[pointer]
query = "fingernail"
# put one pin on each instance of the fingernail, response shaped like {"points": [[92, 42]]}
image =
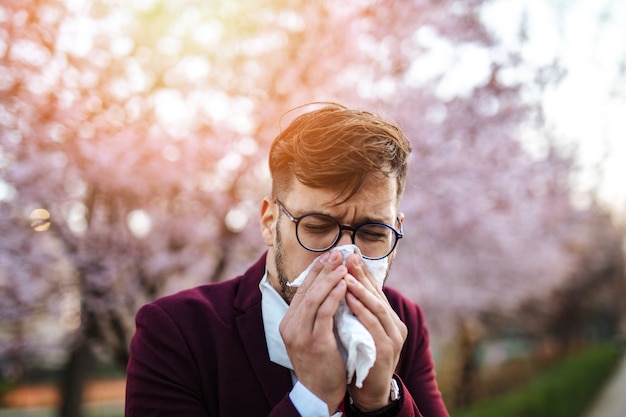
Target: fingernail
{"points": [[324, 257]]}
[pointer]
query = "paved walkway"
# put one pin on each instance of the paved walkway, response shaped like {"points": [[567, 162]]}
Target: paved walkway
{"points": [[612, 399]]}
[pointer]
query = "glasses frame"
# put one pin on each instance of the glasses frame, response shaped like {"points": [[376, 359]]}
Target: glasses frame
{"points": [[399, 234]]}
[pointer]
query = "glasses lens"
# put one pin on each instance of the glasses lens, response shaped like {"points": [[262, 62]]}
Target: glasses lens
{"points": [[375, 240], [317, 232]]}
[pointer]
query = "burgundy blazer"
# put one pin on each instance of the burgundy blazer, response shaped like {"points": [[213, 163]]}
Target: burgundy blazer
{"points": [[202, 352]]}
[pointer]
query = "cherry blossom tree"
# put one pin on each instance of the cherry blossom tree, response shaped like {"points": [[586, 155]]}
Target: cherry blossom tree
{"points": [[133, 147]]}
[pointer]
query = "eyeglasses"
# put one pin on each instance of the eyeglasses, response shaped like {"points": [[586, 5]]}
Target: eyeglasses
{"points": [[318, 233]]}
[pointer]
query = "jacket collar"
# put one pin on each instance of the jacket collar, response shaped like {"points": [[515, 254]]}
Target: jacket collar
{"points": [[274, 379]]}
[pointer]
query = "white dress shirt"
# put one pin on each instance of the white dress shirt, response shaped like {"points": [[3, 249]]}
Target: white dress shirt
{"points": [[274, 309]]}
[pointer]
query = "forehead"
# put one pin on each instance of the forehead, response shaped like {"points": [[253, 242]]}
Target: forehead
{"points": [[376, 201]]}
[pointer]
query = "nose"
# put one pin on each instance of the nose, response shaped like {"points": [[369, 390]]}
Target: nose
{"points": [[345, 237]]}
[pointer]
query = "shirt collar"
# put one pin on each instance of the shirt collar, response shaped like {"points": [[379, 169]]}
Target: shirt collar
{"points": [[273, 309]]}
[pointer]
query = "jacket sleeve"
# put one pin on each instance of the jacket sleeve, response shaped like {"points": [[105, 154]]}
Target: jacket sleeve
{"points": [[416, 371], [161, 378], [284, 408]]}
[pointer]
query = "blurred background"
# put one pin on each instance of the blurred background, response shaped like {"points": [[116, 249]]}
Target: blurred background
{"points": [[133, 143]]}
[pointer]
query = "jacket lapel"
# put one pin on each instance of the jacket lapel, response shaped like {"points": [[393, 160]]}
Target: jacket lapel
{"points": [[274, 379]]}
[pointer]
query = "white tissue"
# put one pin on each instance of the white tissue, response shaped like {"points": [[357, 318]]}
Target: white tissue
{"points": [[355, 341]]}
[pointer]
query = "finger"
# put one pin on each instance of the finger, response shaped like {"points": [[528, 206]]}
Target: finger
{"points": [[325, 263], [318, 264], [375, 313], [325, 314], [358, 269], [308, 299], [388, 333]]}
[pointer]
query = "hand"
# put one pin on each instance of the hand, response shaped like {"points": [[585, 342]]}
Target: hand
{"points": [[307, 330], [372, 308]]}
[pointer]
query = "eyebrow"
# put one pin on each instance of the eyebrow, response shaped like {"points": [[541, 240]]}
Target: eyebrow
{"points": [[364, 220]]}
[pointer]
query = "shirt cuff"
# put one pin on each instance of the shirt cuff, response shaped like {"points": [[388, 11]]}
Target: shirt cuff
{"points": [[308, 404]]}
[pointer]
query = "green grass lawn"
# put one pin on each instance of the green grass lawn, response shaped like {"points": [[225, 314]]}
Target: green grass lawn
{"points": [[564, 389]]}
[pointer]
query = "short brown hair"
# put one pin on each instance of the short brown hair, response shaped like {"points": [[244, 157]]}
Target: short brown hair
{"points": [[336, 147]]}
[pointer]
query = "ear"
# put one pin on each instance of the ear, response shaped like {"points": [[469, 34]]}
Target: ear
{"points": [[268, 221], [393, 254]]}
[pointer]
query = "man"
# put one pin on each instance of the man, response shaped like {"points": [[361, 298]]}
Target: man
{"points": [[258, 346]]}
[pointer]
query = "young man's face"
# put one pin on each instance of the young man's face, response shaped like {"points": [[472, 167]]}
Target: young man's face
{"points": [[375, 202]]}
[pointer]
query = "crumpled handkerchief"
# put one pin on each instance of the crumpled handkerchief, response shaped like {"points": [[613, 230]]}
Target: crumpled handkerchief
{"points": [[355, 341]]}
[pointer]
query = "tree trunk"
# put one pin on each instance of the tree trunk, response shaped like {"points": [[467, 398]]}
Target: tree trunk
{"points": [[464, 392], [75, 376]]}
